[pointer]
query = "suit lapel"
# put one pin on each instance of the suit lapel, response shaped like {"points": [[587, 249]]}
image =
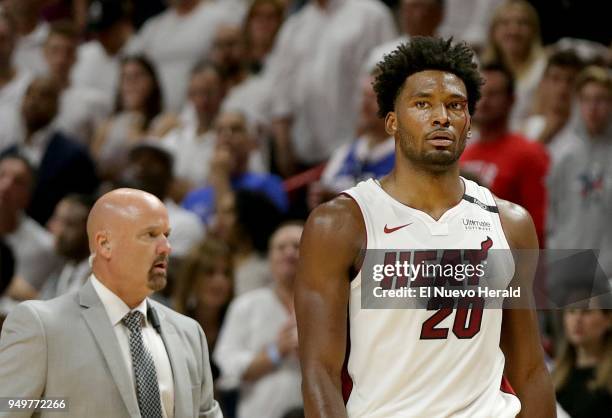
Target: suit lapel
{"points": [[180, 374], [97, 319]]}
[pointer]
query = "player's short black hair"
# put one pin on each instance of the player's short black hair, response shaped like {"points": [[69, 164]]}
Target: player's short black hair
{"points": [[421, 54]]}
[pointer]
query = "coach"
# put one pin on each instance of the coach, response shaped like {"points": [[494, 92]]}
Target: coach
{"points": [[108, 349]]}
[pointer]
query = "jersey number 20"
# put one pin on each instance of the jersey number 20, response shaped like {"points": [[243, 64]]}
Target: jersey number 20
{"points": [[468, 318]]}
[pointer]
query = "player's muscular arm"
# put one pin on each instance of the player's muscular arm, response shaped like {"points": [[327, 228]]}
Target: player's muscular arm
{"points": [[330, 247], [520, 339]]}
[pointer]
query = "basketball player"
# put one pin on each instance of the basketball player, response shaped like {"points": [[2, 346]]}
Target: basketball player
{"points": [[387, 363]]}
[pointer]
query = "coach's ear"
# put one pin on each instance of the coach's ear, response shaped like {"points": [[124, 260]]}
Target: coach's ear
{"points": [[390, 123]]}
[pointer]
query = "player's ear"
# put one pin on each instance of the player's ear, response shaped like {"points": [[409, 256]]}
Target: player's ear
{"points": [[391, 123]]}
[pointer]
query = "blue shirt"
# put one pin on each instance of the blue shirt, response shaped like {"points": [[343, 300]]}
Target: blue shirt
{"points": [[202, 201]]}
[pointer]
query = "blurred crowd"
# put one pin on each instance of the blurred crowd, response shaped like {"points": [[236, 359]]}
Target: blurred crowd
{"points": [[243, 115]]}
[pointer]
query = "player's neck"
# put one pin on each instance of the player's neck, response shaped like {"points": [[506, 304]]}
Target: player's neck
{"points": [[432, 193]]}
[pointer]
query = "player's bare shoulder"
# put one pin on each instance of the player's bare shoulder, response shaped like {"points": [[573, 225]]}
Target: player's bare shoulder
{"points": [[517, 224], [336, 225]]}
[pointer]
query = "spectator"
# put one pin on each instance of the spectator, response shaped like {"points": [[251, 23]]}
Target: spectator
{"points": [[7, 267], [150, 168], [137, 115], [13, 82], [193, 143], [468, 20], [511, 166], [63, 166], [263, 20], [178, 38], [69, 228], [229, 169], [514, 40], [372, 154], [239, 223], [228, 54], [257, 348], [551, 119], [81, 108], [417, 18], [99, 60], [32, 245], [204, 289], [7, 270], [579, 184], [583, 365], [313, 75], [262, 24], [33, 32]]}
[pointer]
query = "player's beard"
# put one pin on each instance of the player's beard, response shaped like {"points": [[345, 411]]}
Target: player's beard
{"points": [[430, 159]]}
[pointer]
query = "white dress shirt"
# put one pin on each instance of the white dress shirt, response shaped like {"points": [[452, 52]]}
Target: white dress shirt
{"points": [[81, 110], [314, 71], [175, 43], [28, 54], [116, 310], [97, 70]]}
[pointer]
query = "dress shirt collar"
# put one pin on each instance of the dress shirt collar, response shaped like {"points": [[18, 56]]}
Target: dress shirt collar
{"points": [[116, 308]]}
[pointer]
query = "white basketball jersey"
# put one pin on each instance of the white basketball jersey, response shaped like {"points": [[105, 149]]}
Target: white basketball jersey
{"points": [[418, 362]]}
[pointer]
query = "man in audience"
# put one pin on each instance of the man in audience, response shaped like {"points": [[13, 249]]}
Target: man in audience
{"points": [[81, 108], [150, 168], [13, 83], [98, 61], [229, 169], [258, 345], [555, 101], [314, 73], [511, 166], [62, 165], [32, 245], [372, 154], [32, 32], [69, 228], [192, 144], [228, 54], [417, 18], [580, 183], [178, 38]]}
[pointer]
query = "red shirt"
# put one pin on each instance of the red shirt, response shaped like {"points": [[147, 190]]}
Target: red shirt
{"points": [[514, 169]]}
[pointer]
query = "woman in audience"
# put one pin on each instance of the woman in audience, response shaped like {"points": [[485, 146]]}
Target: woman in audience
{"points": [[514, 40], [204, 287], [245, 220], [136, 116], [583, 365], [263, 20]]}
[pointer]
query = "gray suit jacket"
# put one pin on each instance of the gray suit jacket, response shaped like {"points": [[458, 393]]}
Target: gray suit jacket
{"points": [[66, 348]]}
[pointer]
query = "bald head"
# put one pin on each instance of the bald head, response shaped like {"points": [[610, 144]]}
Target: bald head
{"points": [[128, 233], [116, 208]]}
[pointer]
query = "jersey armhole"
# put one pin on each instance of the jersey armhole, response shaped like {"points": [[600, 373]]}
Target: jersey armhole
{"points": [[356, 268]]}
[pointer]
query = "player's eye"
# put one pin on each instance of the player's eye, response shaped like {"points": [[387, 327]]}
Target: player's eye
{"points": [[457, 105], [420, 104], [152, 234]]}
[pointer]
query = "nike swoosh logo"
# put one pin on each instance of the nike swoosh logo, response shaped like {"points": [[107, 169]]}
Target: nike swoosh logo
{"points": [[389, 230]]}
